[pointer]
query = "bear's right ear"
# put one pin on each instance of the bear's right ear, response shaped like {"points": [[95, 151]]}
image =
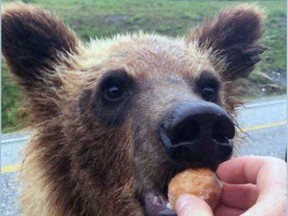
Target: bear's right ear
{"points": [[33, 41]]}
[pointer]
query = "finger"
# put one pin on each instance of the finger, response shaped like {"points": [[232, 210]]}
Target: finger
{"points": [[268, 207], [223, 210], [189, 205], [269, 174], [239, 196], [247, 169], [240, 170]]}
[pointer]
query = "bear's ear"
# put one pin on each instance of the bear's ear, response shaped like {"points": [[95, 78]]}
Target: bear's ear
{"points": [[33, 41], [233, 37]]}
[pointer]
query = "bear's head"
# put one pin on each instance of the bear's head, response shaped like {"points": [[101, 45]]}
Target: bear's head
{"points": [[117, 118]]}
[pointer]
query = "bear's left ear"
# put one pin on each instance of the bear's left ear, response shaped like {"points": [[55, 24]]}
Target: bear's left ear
{"points": [[233, 37]]}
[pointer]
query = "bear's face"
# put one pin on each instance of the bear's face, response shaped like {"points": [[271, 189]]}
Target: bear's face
{"points": [[127, 97], [134, 110]]}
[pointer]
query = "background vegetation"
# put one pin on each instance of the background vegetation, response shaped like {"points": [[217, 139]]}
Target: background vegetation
{"points": [[171, 17]]}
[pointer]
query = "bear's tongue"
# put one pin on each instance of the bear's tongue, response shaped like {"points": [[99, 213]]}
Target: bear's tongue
{"points": [[156, 205]]}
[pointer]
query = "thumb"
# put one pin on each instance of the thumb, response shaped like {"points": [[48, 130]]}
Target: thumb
{"points": [[189, 205]]}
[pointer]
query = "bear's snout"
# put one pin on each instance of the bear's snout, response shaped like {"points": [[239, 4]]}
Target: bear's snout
{"points": [[198, 133]]}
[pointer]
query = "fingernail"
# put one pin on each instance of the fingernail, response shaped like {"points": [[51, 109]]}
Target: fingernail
{"points": [[183, 201]]}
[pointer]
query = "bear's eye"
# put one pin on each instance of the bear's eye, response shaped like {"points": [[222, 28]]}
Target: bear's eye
{"points": [[207, 86], [208, 93], [115, 85], [114, 90]]}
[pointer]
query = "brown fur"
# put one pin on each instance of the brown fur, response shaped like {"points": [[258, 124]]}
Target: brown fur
{"points": [[87, 158]]}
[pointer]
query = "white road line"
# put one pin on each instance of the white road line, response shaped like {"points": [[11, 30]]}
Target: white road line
{"points": [[15, 140], [252, 105]]}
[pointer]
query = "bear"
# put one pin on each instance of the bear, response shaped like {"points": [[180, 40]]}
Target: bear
{"points": [[114, 119]]}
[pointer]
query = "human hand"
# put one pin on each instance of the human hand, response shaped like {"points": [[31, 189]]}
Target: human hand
{"points": [[252, 186]]}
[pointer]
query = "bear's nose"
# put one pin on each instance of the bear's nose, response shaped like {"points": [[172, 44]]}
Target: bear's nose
{"points": [[198, 132]]}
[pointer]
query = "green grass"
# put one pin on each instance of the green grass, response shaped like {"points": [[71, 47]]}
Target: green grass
{"points": [[11, 100], [100, 18]]}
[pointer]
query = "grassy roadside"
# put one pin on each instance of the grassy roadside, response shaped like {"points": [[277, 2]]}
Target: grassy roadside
{"points": [[106, 17]]}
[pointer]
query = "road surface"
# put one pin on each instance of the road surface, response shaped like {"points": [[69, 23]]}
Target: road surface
{"points": [[263, 123]]}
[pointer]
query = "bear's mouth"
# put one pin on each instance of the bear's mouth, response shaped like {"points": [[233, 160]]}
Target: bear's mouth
{"points": [[156, 204], [155, 201]]}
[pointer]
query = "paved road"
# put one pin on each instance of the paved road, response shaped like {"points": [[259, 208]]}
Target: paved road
{"points": [[265, 124], [263, 121]]}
